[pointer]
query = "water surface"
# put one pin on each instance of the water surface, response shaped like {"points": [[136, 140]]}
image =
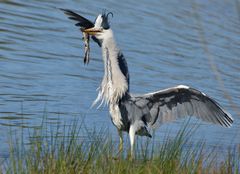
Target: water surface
{"points": [[166, 43]]}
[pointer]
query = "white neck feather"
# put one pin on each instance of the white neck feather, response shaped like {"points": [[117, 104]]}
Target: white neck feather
{"points": [[114, 84]]}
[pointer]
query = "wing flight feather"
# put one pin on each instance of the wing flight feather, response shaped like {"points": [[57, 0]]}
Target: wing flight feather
{"points": [[180, 101]]}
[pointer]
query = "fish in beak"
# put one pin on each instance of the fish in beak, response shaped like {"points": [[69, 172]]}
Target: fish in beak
{"points": [[86, 32], [84, 24], [86, 48]]}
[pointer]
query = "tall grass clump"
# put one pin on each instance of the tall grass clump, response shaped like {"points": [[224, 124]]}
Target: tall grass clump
{"points": [[76, 149]]}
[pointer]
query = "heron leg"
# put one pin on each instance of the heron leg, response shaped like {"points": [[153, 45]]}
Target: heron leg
{"points": [[120, 146], [132, 133]]}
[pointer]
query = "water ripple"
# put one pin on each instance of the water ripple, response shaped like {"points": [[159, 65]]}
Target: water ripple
{"points": [[41, 52]]}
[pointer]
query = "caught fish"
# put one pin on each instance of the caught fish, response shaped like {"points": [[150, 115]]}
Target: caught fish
{"points": [[86, 48], [83, 23]]}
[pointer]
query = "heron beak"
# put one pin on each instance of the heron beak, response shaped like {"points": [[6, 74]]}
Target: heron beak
{"points": [[92, 31]]}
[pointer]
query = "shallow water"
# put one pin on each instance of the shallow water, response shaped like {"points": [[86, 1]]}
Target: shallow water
{"points": [[166, 43]]}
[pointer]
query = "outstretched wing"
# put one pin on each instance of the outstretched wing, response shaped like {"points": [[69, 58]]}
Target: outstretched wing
{"points": [[180, 101], [82, 22]]}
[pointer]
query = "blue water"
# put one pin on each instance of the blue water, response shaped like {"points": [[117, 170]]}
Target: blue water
{"points": [[166, 43]]}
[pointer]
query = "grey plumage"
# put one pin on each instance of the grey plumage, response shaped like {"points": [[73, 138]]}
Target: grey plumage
{"points": [[167, 105], [137, 114]]}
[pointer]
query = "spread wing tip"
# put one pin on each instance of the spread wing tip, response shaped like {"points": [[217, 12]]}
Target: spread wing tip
{"points": [[66, 11], [229, 119]]}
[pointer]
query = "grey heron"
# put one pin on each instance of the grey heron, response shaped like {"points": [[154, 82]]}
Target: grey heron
{"points": [[136, 114]]}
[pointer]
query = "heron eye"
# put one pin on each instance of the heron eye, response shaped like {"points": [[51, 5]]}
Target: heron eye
{"points": [[105, 25]]}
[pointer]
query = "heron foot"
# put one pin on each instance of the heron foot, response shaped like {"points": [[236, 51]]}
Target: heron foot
{"points": [[120, 149], [130, 156]]}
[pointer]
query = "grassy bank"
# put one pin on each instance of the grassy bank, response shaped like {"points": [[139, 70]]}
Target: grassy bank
{"points": [[52, 152]]}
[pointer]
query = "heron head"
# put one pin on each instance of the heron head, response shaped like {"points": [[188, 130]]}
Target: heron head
{"points": [[100, 26]]}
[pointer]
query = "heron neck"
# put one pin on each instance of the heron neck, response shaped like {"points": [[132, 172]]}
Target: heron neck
{"points": [[115, 82]]}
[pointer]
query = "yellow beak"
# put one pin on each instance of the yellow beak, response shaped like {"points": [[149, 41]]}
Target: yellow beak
{"points": [[92, 31]]}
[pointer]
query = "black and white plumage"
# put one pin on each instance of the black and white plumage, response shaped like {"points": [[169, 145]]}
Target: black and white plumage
{"points": [[136, 114]]}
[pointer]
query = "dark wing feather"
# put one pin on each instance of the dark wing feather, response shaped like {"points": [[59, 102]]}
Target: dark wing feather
{"points": [[177, 102], [81, 21]]}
